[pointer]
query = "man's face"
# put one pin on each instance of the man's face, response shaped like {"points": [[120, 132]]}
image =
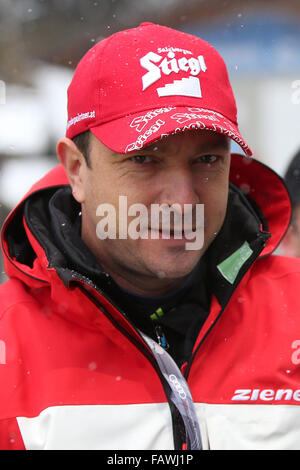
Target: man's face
{"points": [[186, 169]]}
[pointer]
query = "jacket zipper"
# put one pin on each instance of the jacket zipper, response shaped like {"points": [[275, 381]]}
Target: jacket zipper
{"points": [[178, 437]]}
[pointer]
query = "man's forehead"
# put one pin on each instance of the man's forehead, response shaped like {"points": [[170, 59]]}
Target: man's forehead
{"points": [[203, 140]]}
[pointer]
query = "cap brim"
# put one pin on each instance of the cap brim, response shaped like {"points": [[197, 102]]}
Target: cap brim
{"points": [[131, 133]]}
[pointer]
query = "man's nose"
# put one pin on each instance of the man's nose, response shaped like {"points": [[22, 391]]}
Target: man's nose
{"points": [[179, 188]]}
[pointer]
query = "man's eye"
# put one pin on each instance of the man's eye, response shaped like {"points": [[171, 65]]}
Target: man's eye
{"points": [[141, 159], [208, 158]]}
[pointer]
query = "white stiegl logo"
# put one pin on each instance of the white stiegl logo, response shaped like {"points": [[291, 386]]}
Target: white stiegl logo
{"points": [[156, 65]]}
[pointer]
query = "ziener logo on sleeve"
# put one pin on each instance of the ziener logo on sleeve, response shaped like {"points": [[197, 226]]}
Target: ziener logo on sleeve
{"points": [[266, 394]]}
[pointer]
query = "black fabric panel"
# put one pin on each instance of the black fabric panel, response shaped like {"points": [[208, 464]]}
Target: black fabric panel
{"points": [[18, 244]]}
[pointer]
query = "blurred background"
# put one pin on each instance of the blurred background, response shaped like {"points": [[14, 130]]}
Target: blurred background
{"points": [[41, 42]]}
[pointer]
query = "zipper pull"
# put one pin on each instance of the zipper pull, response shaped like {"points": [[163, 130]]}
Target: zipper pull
{"points": [[161, 337]]}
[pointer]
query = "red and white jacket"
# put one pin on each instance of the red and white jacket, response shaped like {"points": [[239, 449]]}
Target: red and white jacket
{"points": [[75, 374]]}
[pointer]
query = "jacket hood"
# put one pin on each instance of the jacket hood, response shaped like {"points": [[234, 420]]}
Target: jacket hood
{"points": [[263, 191]]}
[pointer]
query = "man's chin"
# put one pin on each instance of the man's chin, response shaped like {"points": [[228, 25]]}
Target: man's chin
{"points": [[172, 264]]}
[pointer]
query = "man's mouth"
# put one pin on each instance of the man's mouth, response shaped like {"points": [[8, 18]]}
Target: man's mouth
{"points": [[173, 233]]}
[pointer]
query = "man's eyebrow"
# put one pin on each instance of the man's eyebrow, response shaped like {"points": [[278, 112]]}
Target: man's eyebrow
{"points": [[222, 143]]}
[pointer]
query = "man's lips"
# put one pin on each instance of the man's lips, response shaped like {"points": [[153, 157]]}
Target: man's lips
{"points": [[182, 233], [174, 230]]}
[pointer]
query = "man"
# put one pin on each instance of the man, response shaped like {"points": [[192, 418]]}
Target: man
{"points": [[120, 331], [291, 242]]}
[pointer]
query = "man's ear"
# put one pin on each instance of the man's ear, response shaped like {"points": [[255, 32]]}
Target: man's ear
{"points": [[75, 166]]}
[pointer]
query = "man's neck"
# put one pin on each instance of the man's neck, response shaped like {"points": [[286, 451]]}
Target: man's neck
{"points": [[141, 284]]}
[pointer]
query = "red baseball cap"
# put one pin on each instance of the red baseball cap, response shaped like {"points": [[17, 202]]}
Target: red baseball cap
{"points": [[145, 83]]}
